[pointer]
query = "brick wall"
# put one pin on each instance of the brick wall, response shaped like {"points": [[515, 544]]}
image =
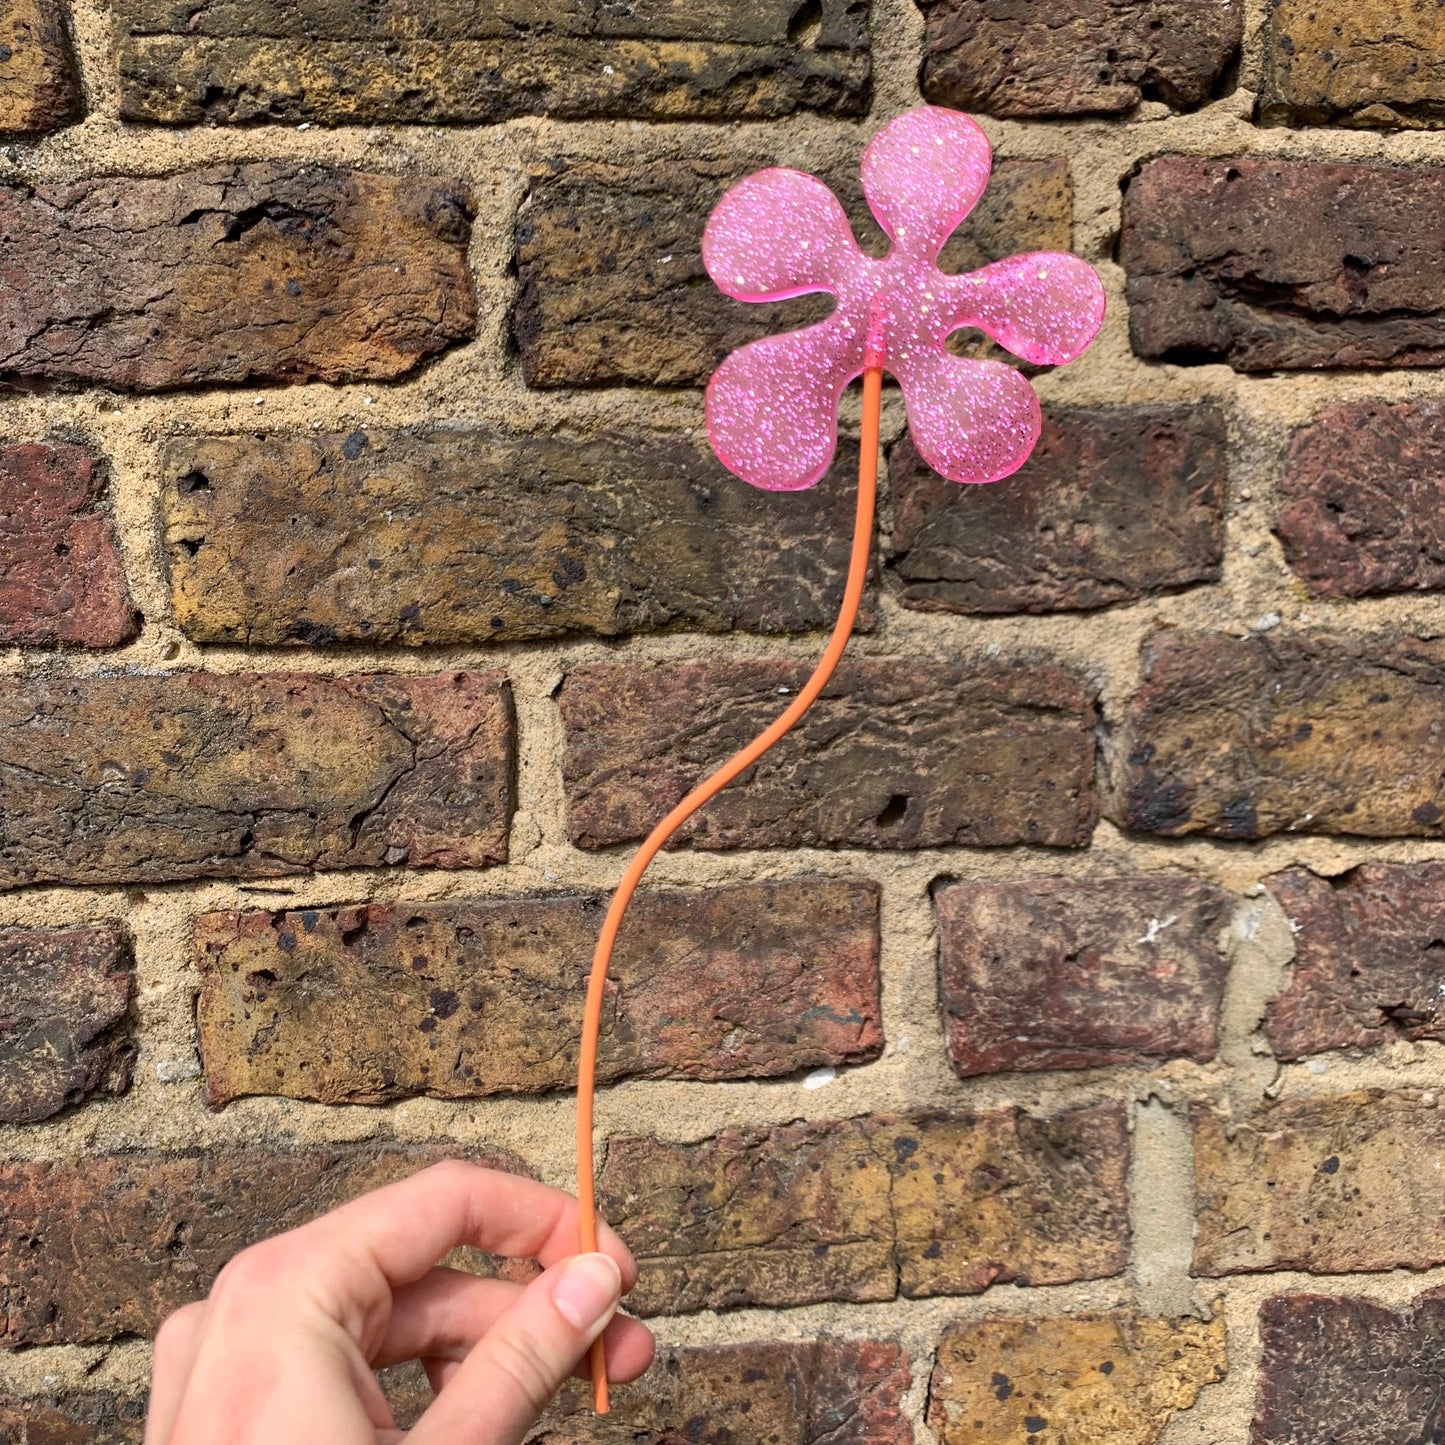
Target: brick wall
{"points": [[1046, 1043]]}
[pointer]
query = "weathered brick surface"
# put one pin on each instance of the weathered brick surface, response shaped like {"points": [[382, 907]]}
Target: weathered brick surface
{"points": [[266, 272], [1276, 264], [863, 1209], [822, 1392], [467, 535], [612, 282], [1362, 500], [1076, 57], [64, 1036], [1114, 1379], [152, 1230], [1372, 1373], [61, 576], [1354, 62], [1115, 503], [77, 1417], [237, 61], [1332, 1186], [1052, 974], [1244, 737], [192, 775], [893, 755], [456, 1000], [1368, 958], [38, 86]]}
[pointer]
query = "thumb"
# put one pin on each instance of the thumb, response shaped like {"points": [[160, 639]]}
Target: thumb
{"points": [[509, 1378]]}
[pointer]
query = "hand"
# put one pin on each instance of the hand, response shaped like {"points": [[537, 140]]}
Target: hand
{"points": [[283, 1349]]}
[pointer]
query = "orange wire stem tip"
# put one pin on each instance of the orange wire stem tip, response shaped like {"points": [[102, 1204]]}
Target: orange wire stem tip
{"points": [[708, 788]]}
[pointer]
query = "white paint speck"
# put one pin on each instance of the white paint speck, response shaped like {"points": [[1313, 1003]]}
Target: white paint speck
{"points": [[1156, 927], [820, 1078], [170, 1071], [1318, 1066], [1266, 622]]}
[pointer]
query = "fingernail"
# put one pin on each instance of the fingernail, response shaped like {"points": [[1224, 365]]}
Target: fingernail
{"points": [[588, 1290]]}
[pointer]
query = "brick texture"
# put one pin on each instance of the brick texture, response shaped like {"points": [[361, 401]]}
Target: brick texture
{"points": [[1362, 500], [38, 86], [1332, 1186], [1371, 1371], [61, 576], [1076, 57], [918, 755], [238, 61], [1058, 975], [1116, 503], [1091, 1379], [77, 1417], [1245, 737], [265, 272], [154, 1229], [1274, 264], [1368, 958], [146, 778], [466, 535], [864, 1209], [1370, 63], [612, 282], [457, 1000], [64, 1034]]}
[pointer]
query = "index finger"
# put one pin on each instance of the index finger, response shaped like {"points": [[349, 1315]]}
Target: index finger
{"points": [[403, 1229]]}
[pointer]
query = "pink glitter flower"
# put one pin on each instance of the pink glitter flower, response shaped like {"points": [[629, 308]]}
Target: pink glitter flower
{"points": [[772, 406]]}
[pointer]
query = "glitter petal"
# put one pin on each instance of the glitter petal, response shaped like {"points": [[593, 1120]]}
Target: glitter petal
{"points": [[1045, 306]]}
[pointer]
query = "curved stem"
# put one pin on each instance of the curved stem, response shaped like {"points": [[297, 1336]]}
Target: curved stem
{"points": [[708, 788]]}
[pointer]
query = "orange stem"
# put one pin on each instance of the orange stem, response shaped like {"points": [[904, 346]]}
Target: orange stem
{"points": [[708, 788]]}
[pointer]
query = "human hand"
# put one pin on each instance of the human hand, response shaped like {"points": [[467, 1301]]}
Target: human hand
{"points": [[282, 1350]]}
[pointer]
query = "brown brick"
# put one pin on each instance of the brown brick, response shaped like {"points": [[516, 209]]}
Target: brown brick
{"points": [[264, 272], [38, 86], [466, 535], [612, 282], [61, 578], [1372, 1373], [153, 1229], [1076, 57], [917, 754], [821, 1392], [1332, 1186], [863, 1209], [1363, 500], [1367, 964], [1245, 737], [1276, 264], [1114, 1379], [64, 1036], [463, 999], [1366, 63], [77, 1417], [1052, 974], [238, 61], [1116, 502], [145, 778]]}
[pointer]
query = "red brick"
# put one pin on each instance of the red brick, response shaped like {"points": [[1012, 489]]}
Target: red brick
{"points": [[1338, 1185], [1372, 1372], [1116, 503], [61, 577], [1246, 737], [918, 755], [153, 1230], [1076, 57], [77, 1417], [64, 1031], [1367, 964], [462, 999], [1363, 500], [1274, 264], [1059, 975], [39, 89], [865, 1209], [195, 775], [266, 272]]}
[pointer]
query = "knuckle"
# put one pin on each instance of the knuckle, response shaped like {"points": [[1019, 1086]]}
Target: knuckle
{"points": [[516, 1358], [175, 1331], [252, 1272]]}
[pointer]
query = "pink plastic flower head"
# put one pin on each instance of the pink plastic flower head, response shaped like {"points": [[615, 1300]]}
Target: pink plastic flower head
{"points": [[772, 406]]}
